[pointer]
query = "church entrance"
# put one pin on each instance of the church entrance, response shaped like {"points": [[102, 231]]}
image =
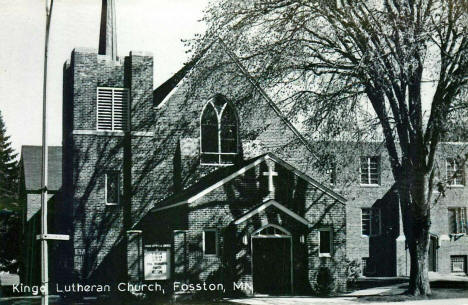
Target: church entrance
{"points": [[272, 260]]}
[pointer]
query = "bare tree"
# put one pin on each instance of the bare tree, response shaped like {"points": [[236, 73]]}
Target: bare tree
{"points": [[320, 57]]}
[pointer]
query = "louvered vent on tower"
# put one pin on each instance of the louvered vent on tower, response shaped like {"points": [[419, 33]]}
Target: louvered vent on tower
{"points": [[112, 109]]}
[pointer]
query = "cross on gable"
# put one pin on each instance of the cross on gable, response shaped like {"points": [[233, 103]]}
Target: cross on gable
{"points": [[270, 173]]}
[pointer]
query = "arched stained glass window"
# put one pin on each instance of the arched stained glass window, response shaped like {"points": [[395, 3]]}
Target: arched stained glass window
{"points": [[209, 129], [219, 132], [228, 130]]}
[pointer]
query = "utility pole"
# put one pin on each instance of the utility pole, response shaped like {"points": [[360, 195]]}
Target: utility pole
{"points": [[44, 195], [44, 235]]}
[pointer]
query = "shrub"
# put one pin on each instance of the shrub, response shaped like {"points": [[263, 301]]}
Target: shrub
{"points": [[325, 282], [353, 272]]}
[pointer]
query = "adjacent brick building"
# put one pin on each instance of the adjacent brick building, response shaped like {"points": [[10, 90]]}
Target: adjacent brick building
{"points": [[374, 228]]}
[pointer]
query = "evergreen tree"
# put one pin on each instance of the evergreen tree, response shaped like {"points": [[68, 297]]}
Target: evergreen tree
{"points": [[8, 165], [10, 221]]}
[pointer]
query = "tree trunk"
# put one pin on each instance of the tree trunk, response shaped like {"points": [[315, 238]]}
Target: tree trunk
{"points": [[419, 279], [414, 201]]}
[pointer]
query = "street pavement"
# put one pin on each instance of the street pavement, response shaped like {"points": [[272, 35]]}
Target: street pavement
{"points": [[341, 301], [272, 301]]}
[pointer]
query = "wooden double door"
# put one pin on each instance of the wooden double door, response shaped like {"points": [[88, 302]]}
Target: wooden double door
{"points": [[272, 265]]}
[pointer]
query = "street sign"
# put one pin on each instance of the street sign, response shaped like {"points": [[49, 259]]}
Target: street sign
{"points": [[52, 237]]}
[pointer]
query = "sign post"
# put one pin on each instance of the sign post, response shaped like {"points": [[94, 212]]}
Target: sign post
{"points": [[43, 237]]}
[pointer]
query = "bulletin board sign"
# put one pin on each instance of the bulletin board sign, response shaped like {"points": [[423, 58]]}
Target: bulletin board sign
{"points": [[157, 262]]}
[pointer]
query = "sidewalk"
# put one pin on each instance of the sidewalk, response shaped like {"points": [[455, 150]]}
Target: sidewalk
{"points": [[435, 276], [354, 297], [344, 301]]}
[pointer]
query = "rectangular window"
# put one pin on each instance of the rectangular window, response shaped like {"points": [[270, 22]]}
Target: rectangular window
{"points": [[457, 220], [325, 242], [455, 172], [79, 258], [112, 187], [365, 221], [371, 221], [331, 172], [370, 170], [458, 263], [210, 242], [112, 109], [364, 265]]}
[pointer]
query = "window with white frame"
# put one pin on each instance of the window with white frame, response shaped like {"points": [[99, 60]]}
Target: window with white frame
{"points": [[325, 242], [112, 109], [78, 259], [210, 242], [219, 132], [370, 170], [458, 263], [112, 188], [455, 173], [457, 220], [331, 172], [371, 221], [364, 265]]}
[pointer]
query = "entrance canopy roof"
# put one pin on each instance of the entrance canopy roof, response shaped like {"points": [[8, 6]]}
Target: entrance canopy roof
{"points": [[268, 205]]}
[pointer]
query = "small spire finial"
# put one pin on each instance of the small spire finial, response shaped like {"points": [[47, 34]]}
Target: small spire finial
{"points": [[108, 33]]}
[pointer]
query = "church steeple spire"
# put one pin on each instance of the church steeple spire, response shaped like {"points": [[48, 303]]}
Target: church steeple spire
{"points": [[108, 33]]}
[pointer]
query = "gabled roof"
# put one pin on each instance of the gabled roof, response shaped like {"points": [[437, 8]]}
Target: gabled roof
{"points": [[161, 93], [271, 203], [31, 157], [164, 91], [227, 174], [211, 179]]}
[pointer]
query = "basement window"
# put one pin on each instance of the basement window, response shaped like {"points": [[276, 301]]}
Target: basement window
{"points": [[458, 263]]}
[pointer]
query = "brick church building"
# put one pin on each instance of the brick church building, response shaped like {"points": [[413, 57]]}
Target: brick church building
{"points": [[203, 179]]}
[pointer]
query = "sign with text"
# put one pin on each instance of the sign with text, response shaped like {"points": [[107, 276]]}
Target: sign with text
{"points": [[157, 262]]}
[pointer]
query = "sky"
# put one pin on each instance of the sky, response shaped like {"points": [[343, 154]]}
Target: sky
{"points": [[156, 26]]}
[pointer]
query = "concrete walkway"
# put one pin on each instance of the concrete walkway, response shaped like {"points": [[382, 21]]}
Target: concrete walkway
{"points": [[295, 301], [385, 290], [344, 301], [435, 276], [401, 287], [352, 298]]}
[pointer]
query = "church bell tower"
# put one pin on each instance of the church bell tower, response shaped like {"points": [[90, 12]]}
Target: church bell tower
{"points": [[107, 136]]}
